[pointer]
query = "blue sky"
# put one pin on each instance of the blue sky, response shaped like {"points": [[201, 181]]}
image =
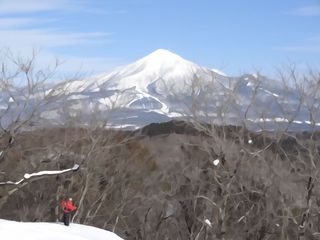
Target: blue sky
{"points": [[234, 36]]}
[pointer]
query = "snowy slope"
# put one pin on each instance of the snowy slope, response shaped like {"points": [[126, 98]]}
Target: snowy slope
{"points": [[163, 85], [162, 67], [145, 84], [159, 66], [11, 230], [145, 91]]}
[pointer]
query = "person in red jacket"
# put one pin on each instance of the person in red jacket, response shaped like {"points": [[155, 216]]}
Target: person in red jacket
{"points": [[68, 207]]}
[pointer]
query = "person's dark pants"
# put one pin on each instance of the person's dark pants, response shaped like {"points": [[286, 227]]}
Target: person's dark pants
{"points": [[66, 218]]}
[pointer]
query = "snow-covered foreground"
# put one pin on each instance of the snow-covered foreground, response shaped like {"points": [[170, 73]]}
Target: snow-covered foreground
{"points": [[11, 230]]}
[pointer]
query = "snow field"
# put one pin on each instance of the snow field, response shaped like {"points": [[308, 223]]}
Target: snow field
{"points": [[11, 230]]}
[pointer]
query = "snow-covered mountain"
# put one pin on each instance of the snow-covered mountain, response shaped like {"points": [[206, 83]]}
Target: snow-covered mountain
{"points": [[145, 84], [161, 68], [163, 85], [155, 88], [11, 230]]}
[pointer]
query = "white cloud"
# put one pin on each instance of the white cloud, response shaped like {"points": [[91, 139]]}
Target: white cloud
{"points": [[306, 11], [33, 6], [47, 38], [22, 30], [9, 23], [38, 31], [24, 22], [25, 6]]}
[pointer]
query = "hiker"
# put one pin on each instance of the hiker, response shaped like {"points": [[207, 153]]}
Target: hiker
{"points": [[68, 208]]}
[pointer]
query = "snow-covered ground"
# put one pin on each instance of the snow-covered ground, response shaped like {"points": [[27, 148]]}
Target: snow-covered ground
{"points": [[11, 230]]}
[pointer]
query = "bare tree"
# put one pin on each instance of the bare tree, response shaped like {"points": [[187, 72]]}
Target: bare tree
{"points": [[223, 174], [258, 176], [23, 95]]}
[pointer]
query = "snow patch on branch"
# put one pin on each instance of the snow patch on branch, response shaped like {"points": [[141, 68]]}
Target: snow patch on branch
{"points": [[27, 176], [207, 221], [216, 162]]}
